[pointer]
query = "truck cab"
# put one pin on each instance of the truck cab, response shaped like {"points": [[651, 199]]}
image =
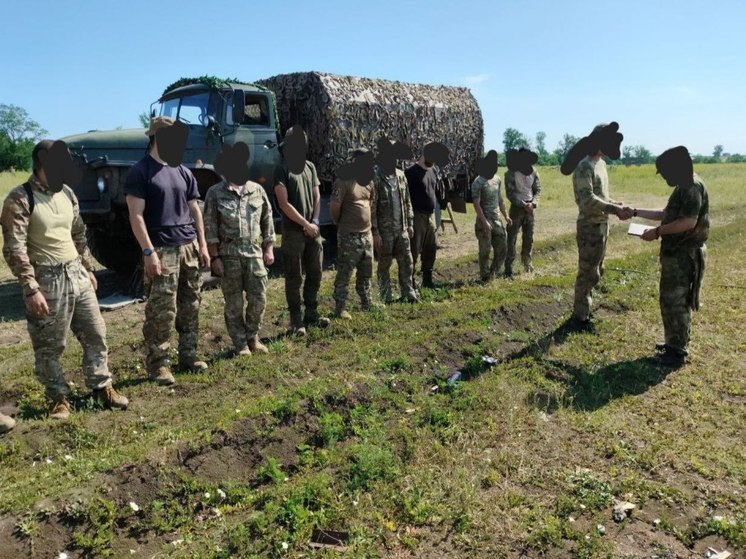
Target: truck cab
{"points": [[215, 113]]}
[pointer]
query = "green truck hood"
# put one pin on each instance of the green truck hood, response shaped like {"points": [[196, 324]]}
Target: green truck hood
{"points": [[120, 146]]}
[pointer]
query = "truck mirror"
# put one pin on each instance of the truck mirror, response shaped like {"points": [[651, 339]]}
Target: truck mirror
{"points": [[239, 102]]}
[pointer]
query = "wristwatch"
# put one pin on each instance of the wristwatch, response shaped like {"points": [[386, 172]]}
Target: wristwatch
{"points": [[148, 251]]}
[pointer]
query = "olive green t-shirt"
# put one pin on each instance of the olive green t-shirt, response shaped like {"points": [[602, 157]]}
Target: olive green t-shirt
{"points": [[355, 201], [300, 192]]}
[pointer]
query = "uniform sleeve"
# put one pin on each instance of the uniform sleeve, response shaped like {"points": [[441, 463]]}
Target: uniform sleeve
{"points": [[476, 189], [511, 190], [192, 188], [78, 232], [339, 189], [691, 203], [407, 202], [15, 219], [536, 189], [374, 197], [499, 193], [314, 176], [211, 217], [582, 181], [134, 184], [268, 225]]}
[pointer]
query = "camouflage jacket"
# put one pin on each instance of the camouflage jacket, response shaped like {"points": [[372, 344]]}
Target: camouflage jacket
{"points": [[240, 224], [490, 198], [382, 209], [15, 223], [514, 194], [692, 201], [591, 187]]}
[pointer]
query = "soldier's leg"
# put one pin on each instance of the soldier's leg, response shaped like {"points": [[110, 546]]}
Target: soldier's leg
{"points": [[293, 247], [527, 242], [499, 248], [404, 262], [516, 216], [49, 333], [187, 303], [385, 257], [347, 258], [255, 278], [232, 285], [420, 226], [677, 273], [364, 273], [160, 309], [90, 329], [313, 262], [591, 243], [428, 251], [485, 246]]}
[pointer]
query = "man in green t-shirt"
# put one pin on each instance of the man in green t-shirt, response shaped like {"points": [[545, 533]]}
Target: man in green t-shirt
{"points": [[684, 228], [298, 195]]}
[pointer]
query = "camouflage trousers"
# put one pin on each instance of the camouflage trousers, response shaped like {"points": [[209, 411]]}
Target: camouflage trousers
{"points": [[521, 221], [354, 252], [72, 306], [591, 239], [173, 297], [302, 254], [423, 242], [681, 276], [243, 275], [490, 242], [395, 246]]}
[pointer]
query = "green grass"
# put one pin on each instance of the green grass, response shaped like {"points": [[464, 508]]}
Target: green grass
{"points": [[344, 432]]}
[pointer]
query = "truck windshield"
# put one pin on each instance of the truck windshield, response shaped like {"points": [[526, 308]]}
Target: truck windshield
{"points": [[190, 109]]}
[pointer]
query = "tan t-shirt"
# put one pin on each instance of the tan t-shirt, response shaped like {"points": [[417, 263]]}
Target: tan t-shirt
{"points": [[355, 201], [49, 231]]}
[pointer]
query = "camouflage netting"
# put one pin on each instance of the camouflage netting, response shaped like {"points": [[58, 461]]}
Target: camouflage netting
{"points": [[340, 113]]}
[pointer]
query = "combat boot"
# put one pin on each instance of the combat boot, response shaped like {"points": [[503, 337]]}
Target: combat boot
{"points": [[191, 364], [162, 376], [297, 328], [312, 318], [6, 423], [527, 267], [60, 409], [244, 351], [340, 312], [110, 398], [671, 359], [427, 279], [255, 346], [368, 305], [509, 271]]}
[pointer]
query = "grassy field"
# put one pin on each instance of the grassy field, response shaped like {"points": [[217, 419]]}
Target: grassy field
{"points": [[355, 429]]}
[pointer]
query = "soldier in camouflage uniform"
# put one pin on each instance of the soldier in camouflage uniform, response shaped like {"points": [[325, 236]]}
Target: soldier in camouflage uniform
{"points": [[591, 188], [487, 200], [240, 235], [163, 202], [685, 226], [45, 248], [392, 222], [350, 207], [523, 189]]}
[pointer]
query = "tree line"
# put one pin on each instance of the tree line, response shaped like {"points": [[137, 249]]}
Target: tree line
{"points": [[19, 133], [631, 154]]}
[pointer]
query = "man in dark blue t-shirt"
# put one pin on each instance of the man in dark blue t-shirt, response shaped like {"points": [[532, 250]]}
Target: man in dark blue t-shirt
{"points": [[163, 203]]}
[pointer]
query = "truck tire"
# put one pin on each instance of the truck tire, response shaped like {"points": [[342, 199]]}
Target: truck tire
{"points": [[116, 253]]}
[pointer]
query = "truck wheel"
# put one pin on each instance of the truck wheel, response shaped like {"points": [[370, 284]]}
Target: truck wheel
{"points": [[116, 253]]}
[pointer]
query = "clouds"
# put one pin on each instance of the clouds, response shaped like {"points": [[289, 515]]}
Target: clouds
{"points": [[475, 79]]}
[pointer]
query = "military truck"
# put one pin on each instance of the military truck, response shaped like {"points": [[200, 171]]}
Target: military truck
{"points": [[339, 113]]}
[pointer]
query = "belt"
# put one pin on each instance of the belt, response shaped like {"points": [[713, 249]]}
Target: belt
{"points": [[57, 267]]}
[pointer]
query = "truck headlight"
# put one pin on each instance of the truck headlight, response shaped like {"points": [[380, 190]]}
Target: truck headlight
{"points": [[101, 184]]}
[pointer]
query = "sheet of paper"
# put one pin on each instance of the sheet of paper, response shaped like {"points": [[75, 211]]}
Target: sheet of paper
{"points": [[638, 229]]}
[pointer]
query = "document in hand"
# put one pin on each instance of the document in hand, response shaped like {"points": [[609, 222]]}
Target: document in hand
{"points": [[638, 229]]}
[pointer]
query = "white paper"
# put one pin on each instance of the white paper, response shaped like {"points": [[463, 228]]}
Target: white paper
{"points": [[638, 229]]}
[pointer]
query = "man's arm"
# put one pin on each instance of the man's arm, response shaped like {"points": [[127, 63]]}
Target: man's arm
{"points": [[536, 189], [586, 198], [268, 231], [291, 213], [511, 190], [196, 213], [335, 204], [77, 232], [374, 208], [136, 208], [15, 219], [501, 205]]}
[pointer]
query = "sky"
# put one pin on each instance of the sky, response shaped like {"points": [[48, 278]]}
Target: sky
{"points": [[670, 72]]}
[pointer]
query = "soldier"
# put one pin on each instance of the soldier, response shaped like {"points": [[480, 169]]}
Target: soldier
{"points": [[45, 248], [486, 197], [350, 206], [591, 188], [240, 235], [163, 203], [423, 191], [298, 195], [684, 228], [392, 220], [522, 188]]}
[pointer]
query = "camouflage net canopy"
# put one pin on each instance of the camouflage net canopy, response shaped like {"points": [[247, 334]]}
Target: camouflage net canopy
{"points": [[340, 113]]}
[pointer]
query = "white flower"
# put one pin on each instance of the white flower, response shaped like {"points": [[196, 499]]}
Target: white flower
{"points": [[68, 457], [134, 506], [49, 461], [62, 555], [207, 495], [285, 546], [221, 493]]}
